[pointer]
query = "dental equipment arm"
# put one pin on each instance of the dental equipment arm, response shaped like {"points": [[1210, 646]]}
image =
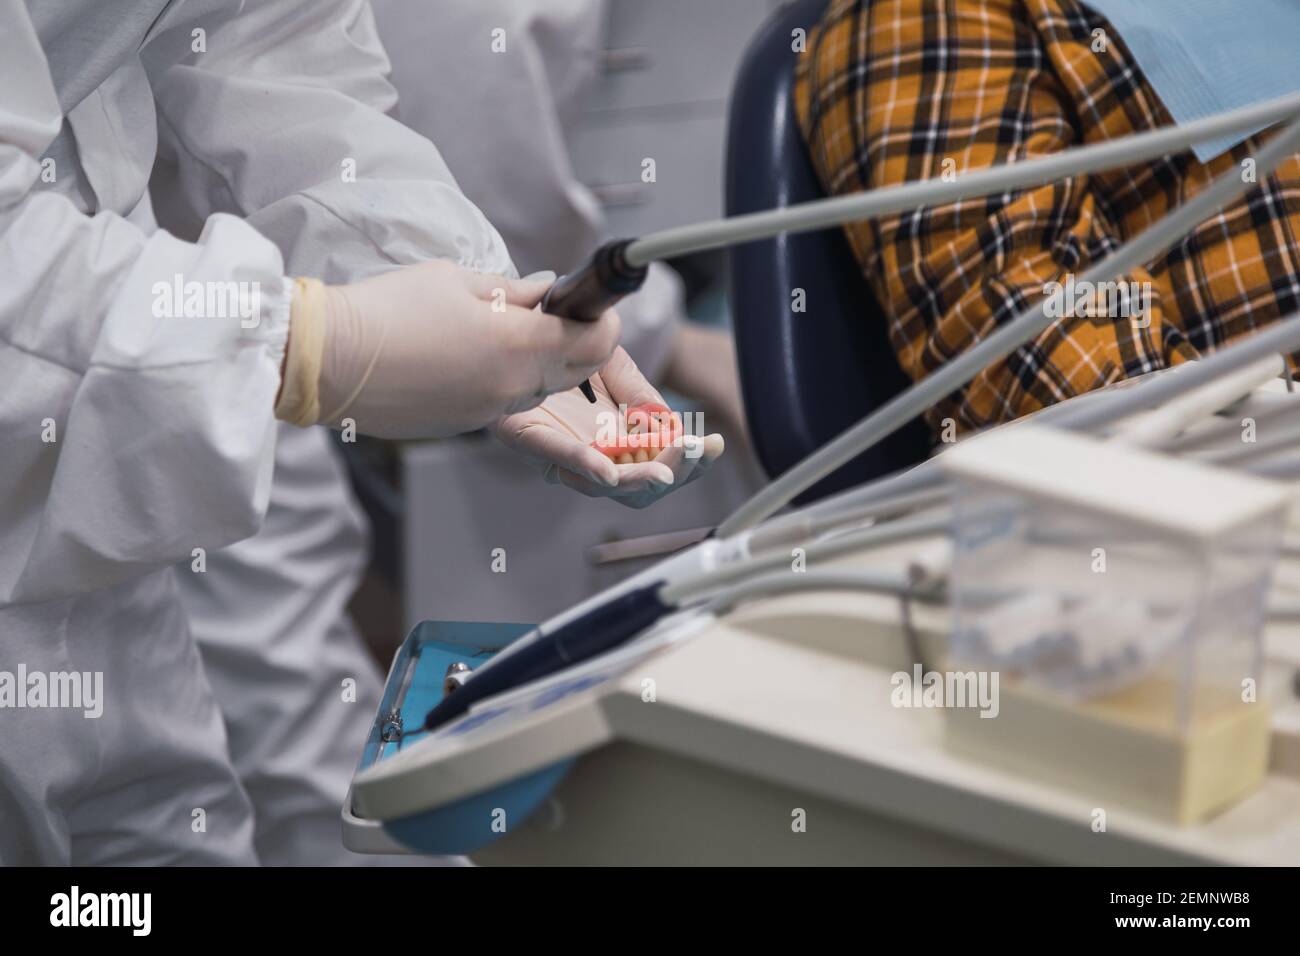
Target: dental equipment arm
{"points": [[594, 627], [618, 268], [772, 585], [619, 620], [824, 213]]}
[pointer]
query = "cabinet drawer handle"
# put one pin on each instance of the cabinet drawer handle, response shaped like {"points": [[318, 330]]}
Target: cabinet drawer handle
{"points": [[625, 59], [621, 194]]}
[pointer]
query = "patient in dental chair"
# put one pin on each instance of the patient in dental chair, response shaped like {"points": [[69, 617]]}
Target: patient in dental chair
{"points": [[891, 91]]}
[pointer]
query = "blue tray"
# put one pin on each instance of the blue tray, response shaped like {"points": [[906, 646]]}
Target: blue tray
{"points": [[414, 687]]}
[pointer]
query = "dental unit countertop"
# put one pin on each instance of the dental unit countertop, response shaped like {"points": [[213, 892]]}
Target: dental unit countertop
{"points": [[783, 705], [767, 711]]}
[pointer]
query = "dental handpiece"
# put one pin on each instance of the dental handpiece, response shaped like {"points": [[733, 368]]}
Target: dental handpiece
{"points": [[587, 293]]}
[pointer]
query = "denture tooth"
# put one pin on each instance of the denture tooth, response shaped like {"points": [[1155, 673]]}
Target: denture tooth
{"points": [[624, 459], [641, 456]]}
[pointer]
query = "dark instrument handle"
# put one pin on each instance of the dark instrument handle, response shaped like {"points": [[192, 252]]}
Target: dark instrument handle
{"points": [[586, 294]]}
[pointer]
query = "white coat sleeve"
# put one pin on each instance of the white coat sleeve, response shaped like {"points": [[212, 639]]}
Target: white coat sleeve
{"points": [[282, 118], [502, 113], [504, 120], [129, 435]]}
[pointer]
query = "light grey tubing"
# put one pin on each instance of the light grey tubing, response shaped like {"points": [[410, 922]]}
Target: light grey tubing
{"points": [[769, 585], [924, 484], [925, 480], [1283, 337], [1219, 434], [925, 475], [928, 475], [823, 213], [961, 370], [1279, 467], [1283, 611], [904, 529], [807, 523], [1264, 447]]}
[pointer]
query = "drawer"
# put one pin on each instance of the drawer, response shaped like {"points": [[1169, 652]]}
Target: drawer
{"points": [[673, 51], [687, 145]]}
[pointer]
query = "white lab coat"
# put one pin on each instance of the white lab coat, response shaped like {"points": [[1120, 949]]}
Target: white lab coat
{"points": [[522, 104], [165, 438]]}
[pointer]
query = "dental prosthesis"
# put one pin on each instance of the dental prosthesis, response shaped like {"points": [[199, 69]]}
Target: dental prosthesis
{"points": [[651, 428]]}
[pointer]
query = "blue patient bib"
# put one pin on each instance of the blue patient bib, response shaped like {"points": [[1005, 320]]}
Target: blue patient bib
{"points": [[1208, 56]]}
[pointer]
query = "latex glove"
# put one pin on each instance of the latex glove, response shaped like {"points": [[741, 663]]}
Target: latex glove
{"points": [[559, 434], [431, 350]]}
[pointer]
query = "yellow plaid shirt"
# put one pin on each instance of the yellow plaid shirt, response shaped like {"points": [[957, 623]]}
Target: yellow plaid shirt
{"points": [[891, 91]]}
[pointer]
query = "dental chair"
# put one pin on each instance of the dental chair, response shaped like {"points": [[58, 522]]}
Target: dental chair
{"points": [[805, 376]]}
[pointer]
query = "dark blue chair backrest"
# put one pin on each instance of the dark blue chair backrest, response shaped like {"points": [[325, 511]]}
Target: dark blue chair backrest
{"points": [[806, 376]]}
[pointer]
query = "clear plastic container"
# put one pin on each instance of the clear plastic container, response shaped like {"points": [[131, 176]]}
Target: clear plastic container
{"points": [[1086, 570]]}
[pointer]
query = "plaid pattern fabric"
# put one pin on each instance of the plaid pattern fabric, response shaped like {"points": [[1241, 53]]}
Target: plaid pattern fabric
{"points": [[891, 91]]}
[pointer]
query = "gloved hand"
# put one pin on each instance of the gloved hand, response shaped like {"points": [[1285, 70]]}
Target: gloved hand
{"points": [[430, 350], [561, 432]]}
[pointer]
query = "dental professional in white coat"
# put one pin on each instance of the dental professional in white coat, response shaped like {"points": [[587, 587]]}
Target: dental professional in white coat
{"points": [[136, 439]]}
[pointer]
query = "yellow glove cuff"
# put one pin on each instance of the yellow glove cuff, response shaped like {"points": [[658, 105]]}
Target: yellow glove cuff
{"points": [[299, 402]]}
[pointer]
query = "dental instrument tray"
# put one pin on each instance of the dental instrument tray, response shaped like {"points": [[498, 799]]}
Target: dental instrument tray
{"points": [[509, 752]]}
